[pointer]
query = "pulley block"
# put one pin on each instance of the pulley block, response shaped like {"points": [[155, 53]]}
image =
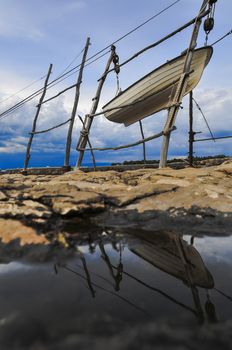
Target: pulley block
{"points": [[208, 24]]}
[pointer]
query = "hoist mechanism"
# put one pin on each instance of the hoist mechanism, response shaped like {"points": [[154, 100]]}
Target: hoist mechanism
{"points": [[115, 60], [209, 21], [116, 64], [208, 25]]}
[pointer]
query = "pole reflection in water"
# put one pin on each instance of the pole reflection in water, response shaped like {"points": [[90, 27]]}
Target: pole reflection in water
{"points": [[166, 251], [119, 284]]}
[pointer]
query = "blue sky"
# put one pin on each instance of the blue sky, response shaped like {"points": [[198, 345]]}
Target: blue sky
{"points": [[34, 34]]}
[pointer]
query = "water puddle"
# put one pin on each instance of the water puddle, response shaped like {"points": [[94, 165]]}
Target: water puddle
{"points": [[117, 289]]}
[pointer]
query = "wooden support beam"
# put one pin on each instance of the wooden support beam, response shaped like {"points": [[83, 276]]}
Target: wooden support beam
{"points": [[215, 138], [83, 139], [50, 129], [191, 133], [74, 110], [125, 146], [173, 111], [144, 143], [27, 157], [88, 277]]}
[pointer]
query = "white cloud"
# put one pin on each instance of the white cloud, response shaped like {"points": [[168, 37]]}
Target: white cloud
{"points": [[216, 105], [11, 147], [14, 23], [23, 20], [216, 248]]}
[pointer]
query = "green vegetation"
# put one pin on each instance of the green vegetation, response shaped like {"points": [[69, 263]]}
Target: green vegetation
{"points": [[174, 160]]}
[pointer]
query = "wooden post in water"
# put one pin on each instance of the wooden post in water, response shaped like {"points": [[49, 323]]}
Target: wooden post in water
{"points": [[191, 133], [83, 139], [27, 157], [74, 110], [175, 103]]}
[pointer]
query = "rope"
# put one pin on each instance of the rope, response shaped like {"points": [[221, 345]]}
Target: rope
{"points": [[32, 96], [222, 38], [128, 145], [69, 65], [209, 22], [66, 75], [151, 46], [66, 267], [54, 127], [54, 83], [222, 293], [215, 138], [206, 122], [36, 81], [23, 89], [118, 85], [164, 294], [130, 32], [148, 20]]}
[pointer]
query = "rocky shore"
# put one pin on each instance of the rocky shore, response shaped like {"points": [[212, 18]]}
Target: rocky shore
{"points": [[190, 200], [43, 215]]}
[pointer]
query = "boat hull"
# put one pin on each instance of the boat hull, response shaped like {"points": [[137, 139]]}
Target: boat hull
{"points": [[165, 255], [154, 92]]}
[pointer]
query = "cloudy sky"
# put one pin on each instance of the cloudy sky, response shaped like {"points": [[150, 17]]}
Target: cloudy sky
{"points": [[34, 34]]}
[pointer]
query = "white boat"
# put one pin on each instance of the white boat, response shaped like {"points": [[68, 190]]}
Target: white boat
{"points": [[154, 91]]}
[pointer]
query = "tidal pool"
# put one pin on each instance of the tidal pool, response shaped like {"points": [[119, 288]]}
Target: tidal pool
{"points": [[119, 290]]}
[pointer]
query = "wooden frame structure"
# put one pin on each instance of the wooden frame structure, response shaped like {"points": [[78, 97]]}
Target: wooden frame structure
{"points": [[173, 107], [32, 133], [173, 111], [174, 103], [74, 110], [71, 120], [83, 139]]}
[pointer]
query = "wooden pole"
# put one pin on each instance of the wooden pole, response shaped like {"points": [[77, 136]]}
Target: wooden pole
{"points": [[74, 110], [173, 111], [90, 146], [144, 144], [191, 133], [83, 139], [27, 157], [88, 278]]}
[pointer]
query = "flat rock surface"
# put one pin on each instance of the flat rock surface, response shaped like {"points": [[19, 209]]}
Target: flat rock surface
{"points": [[190, 199]]}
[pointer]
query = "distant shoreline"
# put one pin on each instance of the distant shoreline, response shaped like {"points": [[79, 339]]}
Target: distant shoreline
{"points": [[175, 163]]}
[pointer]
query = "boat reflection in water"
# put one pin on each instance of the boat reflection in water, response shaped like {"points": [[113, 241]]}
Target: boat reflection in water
{"points": [[175, 256], [166, 251], [136, 288]]}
